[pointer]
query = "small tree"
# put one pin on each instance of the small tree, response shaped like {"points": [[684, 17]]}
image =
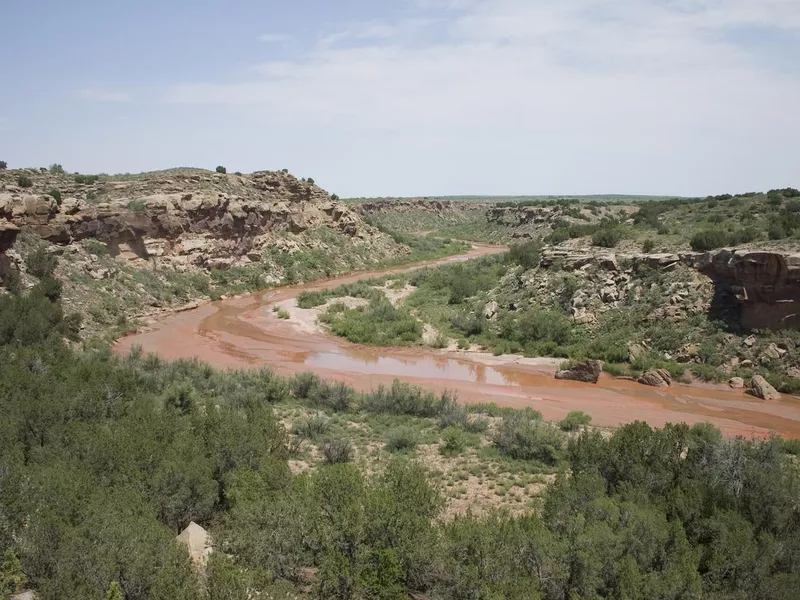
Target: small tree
{"points": [[24, 181], [41, 263], [648, 245], [56, 194], [3, 165], [12, 579], [221, 169], [310, 180], [57, 169], [114, 592]]}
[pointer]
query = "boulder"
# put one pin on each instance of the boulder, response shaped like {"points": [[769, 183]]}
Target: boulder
{"points": [[656, 378], [636, 351], [761, 388], [793, 372], [490, 310], [737, 383], [197, 542], [587, 371]]}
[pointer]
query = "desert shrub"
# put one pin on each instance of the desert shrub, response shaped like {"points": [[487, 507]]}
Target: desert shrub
{"points": [[574, 420], [283, 314], [86, 179], [303, 384], [312, 427], [56, 169], [744, 235], [453, 441], [96, 247], [24, 181], [12, 281], [401, 439], [337, 451], [41, 263], [776, 231], [524, 438], [137, 206], [221, 169], [405, 399], [310, 180], [607, 237], [648, 245], [334, 396], [708, 239], [311, 299], [3, 165], [239, 173], [56, 195], [526, 255]]}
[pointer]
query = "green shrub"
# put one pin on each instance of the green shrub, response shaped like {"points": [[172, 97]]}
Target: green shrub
{"points": [[41, 263], [283, 314], [648, 245], [3, 165], [137, 206], [310, 180], [708, 239], [574, 421], [221, 169], [526, 255], [776, 231], [56, 169], [312, 299], [453, 441], [524, 438], [401, 439], [56, 195], [24, 181], [337, 451], [312, 427], [334, 396], [86, 179], [607, 237], [303, 384], [12, 281], [96, 247]]}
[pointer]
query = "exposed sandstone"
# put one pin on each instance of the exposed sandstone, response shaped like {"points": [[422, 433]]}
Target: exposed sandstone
{"points": [[182, 219], [761, 388], [587, 371], [656, 378], [766, 285]]}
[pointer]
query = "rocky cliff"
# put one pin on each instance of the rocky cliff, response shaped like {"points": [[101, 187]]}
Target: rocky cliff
{"points": [[765, 285], [183, 219]]}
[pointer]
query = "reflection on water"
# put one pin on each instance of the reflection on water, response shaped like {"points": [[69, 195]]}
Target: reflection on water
{"points": [[425, 367]]}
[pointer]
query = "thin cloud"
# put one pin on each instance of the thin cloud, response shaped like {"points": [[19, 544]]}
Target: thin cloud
{"points": [[581, 78], [274, 38], [96, 95]]}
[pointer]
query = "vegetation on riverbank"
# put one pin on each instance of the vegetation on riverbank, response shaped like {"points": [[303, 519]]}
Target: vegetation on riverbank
{"points": [[312, 490], [518, 303], [112, 294]]}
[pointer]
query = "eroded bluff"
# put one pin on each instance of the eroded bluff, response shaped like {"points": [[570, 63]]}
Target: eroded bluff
{"points": [[195, 219], [764, 285]]}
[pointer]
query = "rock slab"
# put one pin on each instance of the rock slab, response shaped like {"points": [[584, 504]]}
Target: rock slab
{"points": [[761, 388], [656, 378], [587, 371]]}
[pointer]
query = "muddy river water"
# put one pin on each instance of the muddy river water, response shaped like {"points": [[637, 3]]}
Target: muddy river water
{"points": [[245, 332]]}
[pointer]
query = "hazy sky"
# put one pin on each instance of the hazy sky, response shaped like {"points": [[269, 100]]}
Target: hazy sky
{"points": [[412, 97]]}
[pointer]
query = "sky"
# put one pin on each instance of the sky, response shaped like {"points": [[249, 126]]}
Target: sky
{"points": [[412, 97]]}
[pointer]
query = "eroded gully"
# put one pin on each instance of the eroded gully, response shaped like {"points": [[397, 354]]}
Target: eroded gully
{"points": [[244, 332]]}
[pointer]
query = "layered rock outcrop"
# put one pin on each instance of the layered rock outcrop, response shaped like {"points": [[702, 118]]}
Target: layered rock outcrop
{"points": [[183, 219], [766, 285]]}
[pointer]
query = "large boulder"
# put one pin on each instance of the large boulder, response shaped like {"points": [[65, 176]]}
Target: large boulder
{"points": [[737, 383], [197, 542], [761, 388], [587, 371], [656, 378]]}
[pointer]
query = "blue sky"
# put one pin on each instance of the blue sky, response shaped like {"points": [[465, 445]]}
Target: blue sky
{"points": [[413, 97]]}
